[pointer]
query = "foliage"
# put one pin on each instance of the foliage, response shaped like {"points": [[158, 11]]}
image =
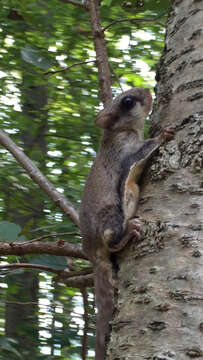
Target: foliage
{"points": [[52, 116], [10, 232], [7, 346]]}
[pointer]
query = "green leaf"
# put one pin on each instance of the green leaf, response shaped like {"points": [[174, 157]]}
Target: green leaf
{"points": [[6, 345], [28, 227], [33, 56], [56, 262], [9, 231], [107, 2]]}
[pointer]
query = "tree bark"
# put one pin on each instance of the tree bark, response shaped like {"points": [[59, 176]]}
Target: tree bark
{"points": [[159, 302]]}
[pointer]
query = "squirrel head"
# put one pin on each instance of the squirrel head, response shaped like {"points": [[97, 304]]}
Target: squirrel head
{"points": [[127, 111]]}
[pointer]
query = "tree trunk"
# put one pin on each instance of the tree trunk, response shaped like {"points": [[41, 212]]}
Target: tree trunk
{"points": [[159, 303], [21, 322]]}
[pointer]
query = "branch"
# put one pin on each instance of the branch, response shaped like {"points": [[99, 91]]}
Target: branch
{"points": [[39, 178], [132, 21], [31, 266], [80, 282], [86, 271], [47, 236], [75, 3], [68, 67], [60, 248], [101, 52], [116, 77], [73, 281], [62, 273], [86, 324]]}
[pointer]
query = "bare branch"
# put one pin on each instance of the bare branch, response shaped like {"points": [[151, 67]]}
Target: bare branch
{"points": [[101, 52], [133, 21], [75, 3], [116, 77], [58, 248], [48, 236], [80, 282], [69, 67], [31, 266], [85, 271], [73, 274], [62, 273], [39, 178]]}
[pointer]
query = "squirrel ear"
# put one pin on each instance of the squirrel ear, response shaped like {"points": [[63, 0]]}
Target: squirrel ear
{"points": [[105, 119]]}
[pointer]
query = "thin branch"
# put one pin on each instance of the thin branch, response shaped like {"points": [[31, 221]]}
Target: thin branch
{"points": [[86, 271], [23, 303], [60, 248], [73, 274], [116, 77], [39, 178], [31, 266], [74, 281], [62, 273], [80, 282], [104, 73], [75, 3], [132, 21], [69, 67], [47, 236], [86, 324]]}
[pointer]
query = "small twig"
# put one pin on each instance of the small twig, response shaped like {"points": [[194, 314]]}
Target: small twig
{"points": [[132, 20], [46, 236], [75, 3], [35, 174], [117, 77], [69, 67]]}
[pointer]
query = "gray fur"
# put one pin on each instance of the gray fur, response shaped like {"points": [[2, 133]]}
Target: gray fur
{"points": [[107, 203]]}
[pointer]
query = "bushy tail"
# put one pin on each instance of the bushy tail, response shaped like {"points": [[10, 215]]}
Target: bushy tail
{"points": [[104, 289]]}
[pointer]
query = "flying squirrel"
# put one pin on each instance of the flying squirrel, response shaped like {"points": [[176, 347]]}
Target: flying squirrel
{"points": [[111, 194]]}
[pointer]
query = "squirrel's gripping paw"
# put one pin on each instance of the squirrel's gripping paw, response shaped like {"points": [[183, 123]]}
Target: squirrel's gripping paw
{"points": [[135, 227], [168, 133]]}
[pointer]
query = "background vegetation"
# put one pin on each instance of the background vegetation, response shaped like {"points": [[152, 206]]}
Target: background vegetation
{"points": [[48, 107]]}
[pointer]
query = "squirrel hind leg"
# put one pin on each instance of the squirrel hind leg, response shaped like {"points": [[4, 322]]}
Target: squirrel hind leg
{"points": [[110, 226]]}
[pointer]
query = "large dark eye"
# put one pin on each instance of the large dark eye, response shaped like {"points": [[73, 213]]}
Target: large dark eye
{"points": [[128, 102]]}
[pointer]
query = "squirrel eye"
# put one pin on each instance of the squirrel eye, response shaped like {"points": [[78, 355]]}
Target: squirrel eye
{"points": [[127, 102]]}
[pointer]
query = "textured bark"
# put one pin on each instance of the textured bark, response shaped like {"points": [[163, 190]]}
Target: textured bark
{"points": [[159, 305]]}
